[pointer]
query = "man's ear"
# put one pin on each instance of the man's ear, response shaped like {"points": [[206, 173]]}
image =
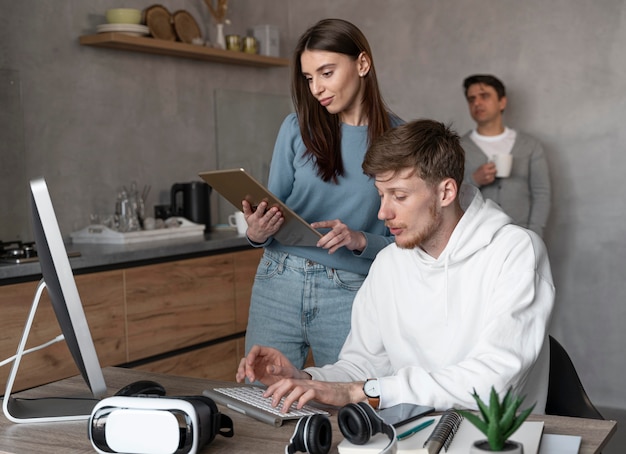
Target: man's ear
{"points": [[502, 103], [448, 191]]}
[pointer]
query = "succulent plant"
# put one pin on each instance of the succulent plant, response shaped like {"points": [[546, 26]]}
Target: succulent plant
{"points": [[499, 419]]}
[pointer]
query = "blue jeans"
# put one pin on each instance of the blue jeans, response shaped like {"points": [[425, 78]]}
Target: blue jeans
{"points": [[298, 304]]}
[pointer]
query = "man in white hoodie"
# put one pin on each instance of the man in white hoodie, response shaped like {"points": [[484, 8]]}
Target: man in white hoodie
{"points": [[461, 300]]}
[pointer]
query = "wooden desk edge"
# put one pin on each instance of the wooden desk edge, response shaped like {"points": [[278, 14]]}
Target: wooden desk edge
{"points": [[595, 433]]}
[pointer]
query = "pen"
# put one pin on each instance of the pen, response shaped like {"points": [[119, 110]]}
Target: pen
{"points": [[415, 429]]}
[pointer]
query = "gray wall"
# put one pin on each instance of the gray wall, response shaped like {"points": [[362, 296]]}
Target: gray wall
{"points": [[96, 119]]}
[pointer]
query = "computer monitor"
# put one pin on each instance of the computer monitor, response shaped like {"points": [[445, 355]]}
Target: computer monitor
{"points": [[58, 279]]}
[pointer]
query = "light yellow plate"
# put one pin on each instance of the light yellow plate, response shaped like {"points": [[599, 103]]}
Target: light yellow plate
{"points": [[131, 29]]}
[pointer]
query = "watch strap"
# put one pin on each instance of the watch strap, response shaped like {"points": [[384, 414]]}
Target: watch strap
{"points": [[374, 402]]}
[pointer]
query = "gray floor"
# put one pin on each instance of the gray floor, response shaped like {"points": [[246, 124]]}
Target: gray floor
{"points": [[617, 445]]}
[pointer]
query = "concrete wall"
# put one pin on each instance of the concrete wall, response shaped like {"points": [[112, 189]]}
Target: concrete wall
{"points": [[95, 119]]}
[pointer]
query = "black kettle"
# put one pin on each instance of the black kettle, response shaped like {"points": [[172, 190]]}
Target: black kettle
{"points": [[191, 201]]}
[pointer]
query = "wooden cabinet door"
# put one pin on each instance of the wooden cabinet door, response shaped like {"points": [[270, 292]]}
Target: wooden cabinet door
{"points": [[178, 304], [246, 264], [102, 296], [215, 362]]}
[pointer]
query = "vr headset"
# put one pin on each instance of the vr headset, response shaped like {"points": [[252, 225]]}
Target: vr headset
{"points": [[156, 425]]}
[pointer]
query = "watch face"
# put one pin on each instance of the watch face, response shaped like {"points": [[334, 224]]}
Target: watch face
{"points": [[370, 388]]}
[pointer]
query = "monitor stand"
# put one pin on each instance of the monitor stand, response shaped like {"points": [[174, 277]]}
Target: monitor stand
{"points": [[43, 409]]}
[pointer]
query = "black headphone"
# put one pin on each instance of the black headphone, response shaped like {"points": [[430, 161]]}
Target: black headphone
{"points": [[357, 422], [360, 422], [313, 434]]}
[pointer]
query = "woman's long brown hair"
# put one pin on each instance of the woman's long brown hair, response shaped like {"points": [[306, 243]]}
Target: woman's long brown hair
{"points": [[320, 130]]}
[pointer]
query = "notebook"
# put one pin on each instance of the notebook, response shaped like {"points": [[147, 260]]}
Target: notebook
{"points": [[529, 434], [236, 185], [249, 400]]}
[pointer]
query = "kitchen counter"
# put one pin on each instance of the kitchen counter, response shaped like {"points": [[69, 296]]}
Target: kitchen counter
{"points": [[101, 257]]}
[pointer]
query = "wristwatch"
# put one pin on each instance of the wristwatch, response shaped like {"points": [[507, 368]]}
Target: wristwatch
{"points": [[371, 389]]}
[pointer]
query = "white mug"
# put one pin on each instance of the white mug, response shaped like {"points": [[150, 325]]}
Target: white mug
{"points": [[238, 220], [503, 163]]}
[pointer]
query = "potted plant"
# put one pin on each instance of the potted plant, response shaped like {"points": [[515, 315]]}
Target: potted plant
{"points": [[499, 421]]}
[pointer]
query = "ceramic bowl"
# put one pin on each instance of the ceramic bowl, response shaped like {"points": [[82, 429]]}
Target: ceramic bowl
{"points": [[123, 16]]}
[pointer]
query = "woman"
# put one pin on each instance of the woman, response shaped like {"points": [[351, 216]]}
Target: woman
{"points": [[302, 296]]}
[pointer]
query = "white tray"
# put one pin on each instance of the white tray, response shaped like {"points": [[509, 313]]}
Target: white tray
{"points": [[101, 234]]}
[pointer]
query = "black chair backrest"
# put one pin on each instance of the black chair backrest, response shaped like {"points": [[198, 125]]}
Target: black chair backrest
{"points": [[566, 394]]}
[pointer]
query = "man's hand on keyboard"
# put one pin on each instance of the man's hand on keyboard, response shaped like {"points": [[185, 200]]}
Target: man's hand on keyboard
{"points": [[273, 369], [267, 365], [300, 392]]}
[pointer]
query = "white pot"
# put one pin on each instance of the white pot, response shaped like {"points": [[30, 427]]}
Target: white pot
{"points": [[510, 447]]}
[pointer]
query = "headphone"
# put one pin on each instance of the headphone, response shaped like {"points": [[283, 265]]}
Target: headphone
{"points": [[357, 422], [313, 434], [360, 422]]}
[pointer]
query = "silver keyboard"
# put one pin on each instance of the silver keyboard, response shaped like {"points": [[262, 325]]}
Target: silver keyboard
{"points": [[249, 400]]}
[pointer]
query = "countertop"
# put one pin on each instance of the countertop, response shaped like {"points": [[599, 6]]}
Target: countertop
{"points": [[100, 257]]}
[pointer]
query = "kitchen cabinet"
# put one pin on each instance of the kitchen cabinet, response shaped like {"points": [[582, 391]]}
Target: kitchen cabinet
{"points": [[177, 304], [102, 295], [215, 362], [121, 41], [184, 317]]}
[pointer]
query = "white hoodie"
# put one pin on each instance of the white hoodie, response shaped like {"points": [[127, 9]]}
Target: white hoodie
{"points": [[433, 330]]}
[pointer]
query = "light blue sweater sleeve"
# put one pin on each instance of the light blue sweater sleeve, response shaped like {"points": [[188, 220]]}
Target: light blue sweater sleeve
{"points": [[293, 179]]}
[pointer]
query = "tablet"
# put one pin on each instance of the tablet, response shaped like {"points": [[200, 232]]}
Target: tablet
{"points": [[236, 185]]}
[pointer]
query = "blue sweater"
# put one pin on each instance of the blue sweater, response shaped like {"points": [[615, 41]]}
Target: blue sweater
{"points": [[355, 201]]}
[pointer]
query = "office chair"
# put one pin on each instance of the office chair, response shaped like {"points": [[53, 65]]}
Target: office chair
{"points": [[566, 394]]}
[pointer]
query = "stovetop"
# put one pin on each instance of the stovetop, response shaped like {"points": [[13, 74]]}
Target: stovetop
{"points": [[22, 252]]}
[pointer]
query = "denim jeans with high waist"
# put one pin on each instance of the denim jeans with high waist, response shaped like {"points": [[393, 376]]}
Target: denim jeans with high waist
{"points": [[298, 304]]}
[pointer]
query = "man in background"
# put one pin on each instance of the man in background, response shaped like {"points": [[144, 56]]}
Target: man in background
{"points": [[525, 193]]}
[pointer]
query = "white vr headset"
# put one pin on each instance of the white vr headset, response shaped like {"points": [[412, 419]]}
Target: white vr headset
{"points": [[156, 425]]}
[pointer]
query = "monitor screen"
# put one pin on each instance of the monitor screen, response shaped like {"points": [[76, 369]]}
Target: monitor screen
{"points": [[58, 279]]}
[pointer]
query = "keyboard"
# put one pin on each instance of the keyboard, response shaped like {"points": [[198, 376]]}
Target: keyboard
{"points": [[249, 400]]}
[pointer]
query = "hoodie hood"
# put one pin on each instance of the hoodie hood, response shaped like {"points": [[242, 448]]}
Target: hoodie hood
{"points": [[481, 221]]}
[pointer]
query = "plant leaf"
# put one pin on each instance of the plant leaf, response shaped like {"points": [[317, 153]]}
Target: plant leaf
{"points": [[518, 421], [484, 410], [494, 406], [508, 397], [471, 417], [509, 414], [495, 436]]}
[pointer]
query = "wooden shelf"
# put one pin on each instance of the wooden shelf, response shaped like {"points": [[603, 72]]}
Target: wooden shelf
{"points": [[123, 41]]}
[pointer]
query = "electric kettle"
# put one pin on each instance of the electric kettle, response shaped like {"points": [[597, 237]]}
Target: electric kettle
{"points": [[191, 201]]}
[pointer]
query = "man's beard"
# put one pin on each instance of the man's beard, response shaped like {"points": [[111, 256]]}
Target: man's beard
{"points": [[427, 232]]}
